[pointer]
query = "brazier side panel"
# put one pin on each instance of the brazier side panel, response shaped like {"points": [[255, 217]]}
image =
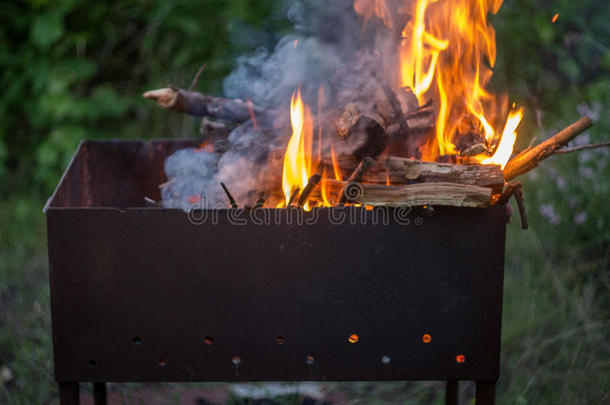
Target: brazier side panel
{"points": [[135, 293]]}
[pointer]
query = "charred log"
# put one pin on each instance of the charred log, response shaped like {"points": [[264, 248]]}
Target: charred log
{"points": [[363, 129], [355, 177], [229, 195], [202, 105], [311, 185]]}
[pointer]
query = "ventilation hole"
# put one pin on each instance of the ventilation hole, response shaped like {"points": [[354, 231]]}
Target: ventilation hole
{"points": [[280, 340], [386, 359], [309, 360], [92, 363], [460, 359], [208, 340], [426, 338], [236, 360], [136, 340], [353, 338], [162, 362]]}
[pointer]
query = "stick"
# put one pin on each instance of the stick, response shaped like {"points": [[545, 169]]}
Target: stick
{"points": [[583, 147], [259, 203], [202, 105], [508, 192], [231, 199], [167, 183], [519, 197], [196, 78], [515, 188], [293, 196], [355, 177], [529, 158], [311, 184], [150, 203]]}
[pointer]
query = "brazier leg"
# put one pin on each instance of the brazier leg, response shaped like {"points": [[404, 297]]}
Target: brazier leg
{"points": [[99, 393], [68, 393], [452, 393], [486, 393]]}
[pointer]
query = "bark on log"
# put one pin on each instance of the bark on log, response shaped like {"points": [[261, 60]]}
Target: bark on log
{"points": [[442, 194], [363, 129], [398, 170], [202, 105], [529, 158]]}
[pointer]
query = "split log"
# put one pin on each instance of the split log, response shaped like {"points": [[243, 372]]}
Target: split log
{"points": [[399, 170], [202, 105], [419, 194], [529, 158]]}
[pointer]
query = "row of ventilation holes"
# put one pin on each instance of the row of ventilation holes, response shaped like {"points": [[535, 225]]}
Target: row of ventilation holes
{"points": [[353, 339]]}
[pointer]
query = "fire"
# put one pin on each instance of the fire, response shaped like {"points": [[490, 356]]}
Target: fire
{"points": [[297, 160], [507, 142], [419, 53], [447, 51], [336, 169]]}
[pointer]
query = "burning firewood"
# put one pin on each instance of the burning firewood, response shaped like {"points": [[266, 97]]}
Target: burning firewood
{"points": [[355, 177], [311, 185], [397, 170], [293, 196], [363, 128], [399, 116], [529, 158], [419, 194]]}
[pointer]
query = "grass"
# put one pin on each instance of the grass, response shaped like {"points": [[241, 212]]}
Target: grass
{"points": [[555, 331]]}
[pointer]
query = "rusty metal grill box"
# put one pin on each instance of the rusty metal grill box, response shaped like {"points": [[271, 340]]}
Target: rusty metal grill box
{"points": [[136, 291]]}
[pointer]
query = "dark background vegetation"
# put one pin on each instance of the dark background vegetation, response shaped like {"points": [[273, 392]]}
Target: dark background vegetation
{"points": [[75, 69]]}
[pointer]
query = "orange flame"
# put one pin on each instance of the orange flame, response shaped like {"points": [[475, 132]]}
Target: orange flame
{"points": [[507, 142], [297, 160], [336, 169], [446, 54]]}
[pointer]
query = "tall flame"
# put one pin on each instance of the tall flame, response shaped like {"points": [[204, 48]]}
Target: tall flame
{"points": [[297, 160], [447, 51]]}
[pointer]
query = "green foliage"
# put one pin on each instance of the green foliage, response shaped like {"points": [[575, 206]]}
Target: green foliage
{"points": [[75, 69]]}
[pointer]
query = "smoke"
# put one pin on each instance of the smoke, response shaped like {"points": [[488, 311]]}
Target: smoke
{"points": [[321, 51]]}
